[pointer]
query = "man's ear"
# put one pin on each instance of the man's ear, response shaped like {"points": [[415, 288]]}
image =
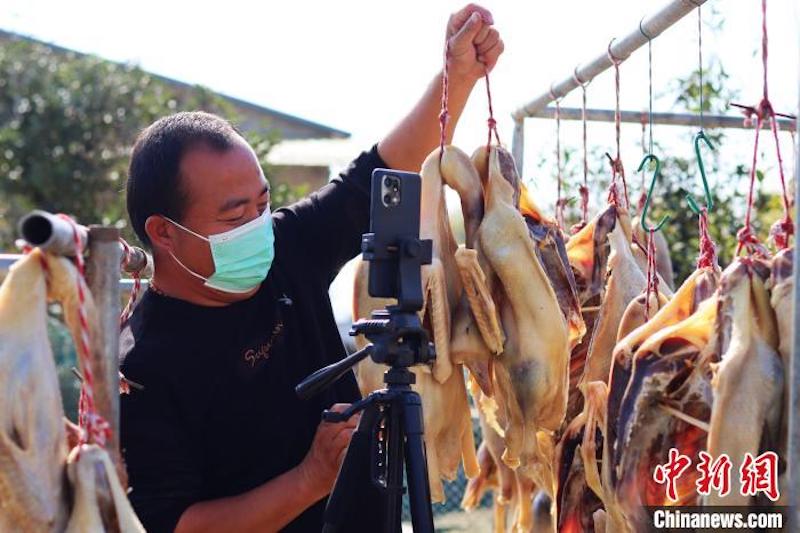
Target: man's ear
{"points": [[160, 232]]}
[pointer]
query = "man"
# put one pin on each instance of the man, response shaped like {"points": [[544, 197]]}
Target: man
{"points": [[238, 313]]}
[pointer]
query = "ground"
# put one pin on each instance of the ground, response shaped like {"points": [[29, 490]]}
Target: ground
{"points": [[477, 521]]}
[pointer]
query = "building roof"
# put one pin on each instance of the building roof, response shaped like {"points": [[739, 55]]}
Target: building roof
{"points": [[290, 126]]}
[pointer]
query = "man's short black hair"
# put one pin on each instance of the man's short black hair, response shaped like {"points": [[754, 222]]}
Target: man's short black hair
{"points": [[154, 181]]}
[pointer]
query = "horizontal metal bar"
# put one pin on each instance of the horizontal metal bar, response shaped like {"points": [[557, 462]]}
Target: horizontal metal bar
{"points": [[6, 260], [55, 235], [670, 119], [620, 49]]}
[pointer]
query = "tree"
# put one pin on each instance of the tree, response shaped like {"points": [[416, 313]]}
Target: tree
{"points": [[67, 124]]}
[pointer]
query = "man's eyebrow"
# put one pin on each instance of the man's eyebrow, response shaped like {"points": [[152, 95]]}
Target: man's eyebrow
{"points": [[233, 203]]}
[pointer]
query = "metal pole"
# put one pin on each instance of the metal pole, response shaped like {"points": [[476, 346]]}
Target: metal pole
{"points": [[794, 370], [102, 272], [670, 119], [53, 234], [621, 49]]}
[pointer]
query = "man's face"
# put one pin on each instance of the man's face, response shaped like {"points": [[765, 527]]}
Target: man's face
{"points": [[224, 190]]}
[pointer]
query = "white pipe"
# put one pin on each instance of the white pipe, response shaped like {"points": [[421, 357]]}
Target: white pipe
{"points": [[669, 119], [621, 49], [53, 234]]}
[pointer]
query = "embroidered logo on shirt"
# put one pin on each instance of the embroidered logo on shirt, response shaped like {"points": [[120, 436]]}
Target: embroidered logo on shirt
{"points": [[262, 353]]}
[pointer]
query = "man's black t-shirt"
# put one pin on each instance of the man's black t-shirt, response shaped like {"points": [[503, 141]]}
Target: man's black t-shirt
{"points": [[218, 415]]}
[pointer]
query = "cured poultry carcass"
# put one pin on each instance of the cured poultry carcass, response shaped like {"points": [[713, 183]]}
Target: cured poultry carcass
{"points": [[447, 420], [663, 260], [667, 404], [624, 283], [781, 296], [552, 254], [579, 493], [697, 288], [33, 446], [638, 312], [748, 380], [100, 503], [587, 252], [495, 474], [476, 335], [781, 287], [531, 375]]}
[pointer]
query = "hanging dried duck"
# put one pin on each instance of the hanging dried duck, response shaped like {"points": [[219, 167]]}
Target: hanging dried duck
{"points": [[748, 379]]}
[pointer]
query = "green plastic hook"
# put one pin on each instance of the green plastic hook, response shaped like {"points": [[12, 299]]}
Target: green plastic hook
{"points": [[647, 159], [701, 136]]}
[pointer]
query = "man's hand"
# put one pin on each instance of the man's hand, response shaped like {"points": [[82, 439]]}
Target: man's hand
{"points": [[475, 45], [321, 464]]}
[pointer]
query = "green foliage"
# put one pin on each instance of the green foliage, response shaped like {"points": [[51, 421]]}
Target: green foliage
{"points": [[67, 124], [680, 176]]}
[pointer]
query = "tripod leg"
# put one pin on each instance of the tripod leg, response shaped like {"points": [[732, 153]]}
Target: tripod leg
{"points": [[419, 494], [394, 473], [354, 473]]}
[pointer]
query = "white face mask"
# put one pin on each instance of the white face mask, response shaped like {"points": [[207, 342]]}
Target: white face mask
{"points": [[242, 256]]}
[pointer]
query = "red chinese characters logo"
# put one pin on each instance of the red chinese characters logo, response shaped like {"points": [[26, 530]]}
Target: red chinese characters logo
{"points": [[714, 474], [757, 474], [670, 472], [760, 475]]}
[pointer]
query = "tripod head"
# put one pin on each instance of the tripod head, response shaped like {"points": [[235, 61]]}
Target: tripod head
{"points": [[396, 333], [395, 254]]}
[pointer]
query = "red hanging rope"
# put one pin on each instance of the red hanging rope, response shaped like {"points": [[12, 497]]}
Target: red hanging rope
{"points": [[652, 273], [560, 202], [783, 229], [617, 170], [444, 116], [490, 121], [643, 195], [708, 250], [584, 189], [95, 428], [137, 283]]}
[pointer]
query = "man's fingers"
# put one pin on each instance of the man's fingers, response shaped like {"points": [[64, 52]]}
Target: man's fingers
{"points": [[460, 17], [468, 31], [339, 407], [490, 57], [483, 33], [491, 39], [342, 441]]}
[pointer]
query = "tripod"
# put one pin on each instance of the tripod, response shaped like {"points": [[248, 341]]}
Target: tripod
{"points": [[390, 432]]}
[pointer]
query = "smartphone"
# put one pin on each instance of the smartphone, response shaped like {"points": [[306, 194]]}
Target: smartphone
{"points": [[394, 216]]}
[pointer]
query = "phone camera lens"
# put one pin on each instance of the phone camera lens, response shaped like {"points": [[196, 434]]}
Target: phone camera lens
{"points": [[387, 181], [387, 199]]}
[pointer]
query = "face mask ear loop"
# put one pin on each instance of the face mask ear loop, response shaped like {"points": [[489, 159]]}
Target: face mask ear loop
{"points": [[184, 228], [187, 269]]}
